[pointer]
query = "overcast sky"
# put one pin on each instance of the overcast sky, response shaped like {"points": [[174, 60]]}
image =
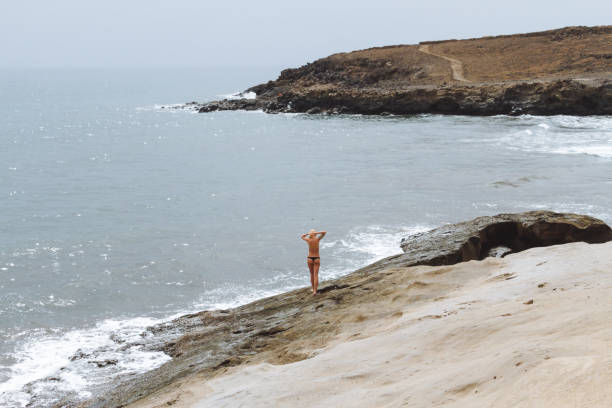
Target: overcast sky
{"points": [[200, 33]]}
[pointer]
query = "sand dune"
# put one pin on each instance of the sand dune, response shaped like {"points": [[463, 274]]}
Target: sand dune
{"points": [[533, 329]]}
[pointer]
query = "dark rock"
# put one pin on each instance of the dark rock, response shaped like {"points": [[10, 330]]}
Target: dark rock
{"points": [[116, 338], [475, 239], [576, 97], [104, 363], [539, 98], [79, 354], [313, 111], [233, 104], [209, 107]]}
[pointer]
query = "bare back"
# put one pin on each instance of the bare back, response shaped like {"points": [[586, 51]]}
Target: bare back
{"points": [[313, 238], [313, 246]]}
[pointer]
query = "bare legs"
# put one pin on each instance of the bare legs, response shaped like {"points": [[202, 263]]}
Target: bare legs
{"points": [[313, 266], [317, 264]]}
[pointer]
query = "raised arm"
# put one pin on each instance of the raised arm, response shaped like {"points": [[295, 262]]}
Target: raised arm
{"points": [[321, 234], [304, 237]]}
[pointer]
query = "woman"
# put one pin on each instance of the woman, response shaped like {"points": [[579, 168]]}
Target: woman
{"points": [[314, 261]]}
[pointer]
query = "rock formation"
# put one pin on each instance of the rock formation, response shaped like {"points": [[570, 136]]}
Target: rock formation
{"points": [[278, 329], [564, 71], [476, 239]]}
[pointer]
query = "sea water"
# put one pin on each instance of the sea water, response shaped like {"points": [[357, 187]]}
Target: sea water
{"points": [[118, 213]]}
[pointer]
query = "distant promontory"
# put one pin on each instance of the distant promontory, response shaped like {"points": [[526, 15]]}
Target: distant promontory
{"points": [[563, 71]]}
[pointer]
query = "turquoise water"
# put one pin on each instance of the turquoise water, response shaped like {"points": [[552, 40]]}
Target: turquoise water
{"points": [[118, 213]]}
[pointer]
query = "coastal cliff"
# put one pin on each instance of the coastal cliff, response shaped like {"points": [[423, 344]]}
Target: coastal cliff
{"points": [[564, 71], [290, 327]]}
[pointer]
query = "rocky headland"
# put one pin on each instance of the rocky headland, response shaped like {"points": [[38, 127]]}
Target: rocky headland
{"points": [[563, 71], [414, 287]]}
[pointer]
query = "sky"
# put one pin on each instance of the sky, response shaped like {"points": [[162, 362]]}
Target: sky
{"points": [[237, 33]]}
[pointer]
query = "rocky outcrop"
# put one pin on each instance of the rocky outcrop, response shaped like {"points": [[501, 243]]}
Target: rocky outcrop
{"points": [[280, 329], [541, 98], [498, 235], [564, 71], [570, 97]]}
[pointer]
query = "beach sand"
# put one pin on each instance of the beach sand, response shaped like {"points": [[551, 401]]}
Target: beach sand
{"points": [[533, 329]]}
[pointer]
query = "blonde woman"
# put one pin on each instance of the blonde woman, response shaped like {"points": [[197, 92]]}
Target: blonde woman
{"points": [[314, 261]]}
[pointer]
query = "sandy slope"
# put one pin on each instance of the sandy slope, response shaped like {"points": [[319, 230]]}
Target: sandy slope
{"points": [[531, 330]]}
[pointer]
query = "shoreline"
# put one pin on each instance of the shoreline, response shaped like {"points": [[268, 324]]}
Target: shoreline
{"points": [[287, 328], [507, 332], [569, 96]]}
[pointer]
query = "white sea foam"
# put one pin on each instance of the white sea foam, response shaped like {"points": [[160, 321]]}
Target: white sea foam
{"points": [[239, 95], [567, 135], [192, 107], [364, 245], [45, 360], [231, 296], [593, 150], [170, 107], [582, 122]]}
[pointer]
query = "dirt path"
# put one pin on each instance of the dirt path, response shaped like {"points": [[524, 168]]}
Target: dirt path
{"points": [[456, 65]]}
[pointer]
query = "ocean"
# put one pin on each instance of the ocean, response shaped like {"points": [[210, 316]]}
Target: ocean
{"points": [[118, 213]]}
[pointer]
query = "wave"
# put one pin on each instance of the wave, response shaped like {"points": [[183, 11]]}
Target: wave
{"points": [[239, 95], [192, 106], [171, 107], [77, 362], [566, 135], [365, 245], [604, 151]]}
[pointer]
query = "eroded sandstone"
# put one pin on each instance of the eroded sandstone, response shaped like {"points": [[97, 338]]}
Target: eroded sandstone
{"points": [[283, 328], [475, 239]]}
